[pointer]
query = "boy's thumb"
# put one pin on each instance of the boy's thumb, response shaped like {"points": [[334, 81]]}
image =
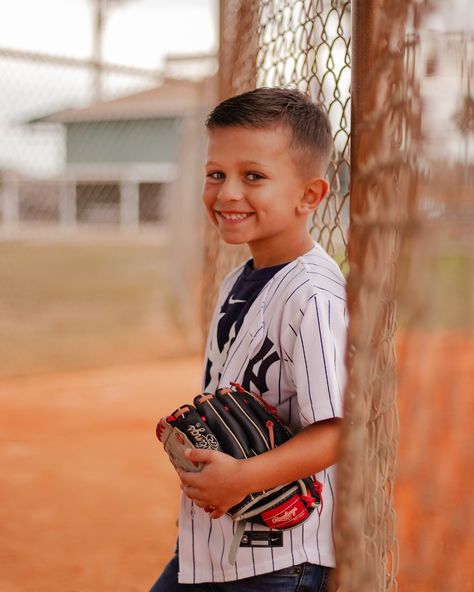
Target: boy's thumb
{"points": [[198, 455]]}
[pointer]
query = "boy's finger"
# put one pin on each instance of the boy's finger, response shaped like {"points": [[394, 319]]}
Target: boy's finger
{"points": [[191, 479], [199, 454], [216, 514], [195, 480], [191, 492]]}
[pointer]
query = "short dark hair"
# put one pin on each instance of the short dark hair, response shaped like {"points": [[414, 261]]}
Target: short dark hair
{"points": [[306, 121]]}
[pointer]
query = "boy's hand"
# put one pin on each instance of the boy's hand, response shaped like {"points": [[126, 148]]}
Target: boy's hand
{"points": [[218, 486]]}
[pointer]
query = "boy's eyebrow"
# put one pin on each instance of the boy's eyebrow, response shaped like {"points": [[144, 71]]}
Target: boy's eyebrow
{"points": [[245, 162], [254, 162]]}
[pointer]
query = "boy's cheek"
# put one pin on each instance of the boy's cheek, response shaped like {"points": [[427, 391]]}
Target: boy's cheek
{"points": [[211, 215], [207, 199], [209, 210]]}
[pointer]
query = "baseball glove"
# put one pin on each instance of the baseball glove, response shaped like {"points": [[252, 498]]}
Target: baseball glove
{"points": [[241, 424]]}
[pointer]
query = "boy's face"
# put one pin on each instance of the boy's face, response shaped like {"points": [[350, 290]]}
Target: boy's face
{"points": [[253, 192]]}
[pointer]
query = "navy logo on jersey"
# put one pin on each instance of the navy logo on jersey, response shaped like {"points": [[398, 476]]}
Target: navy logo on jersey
{"points": [[258, 366], [231, 317]]}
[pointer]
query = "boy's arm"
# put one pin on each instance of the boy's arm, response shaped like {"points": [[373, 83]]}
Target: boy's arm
{"points": [[225, 481]]}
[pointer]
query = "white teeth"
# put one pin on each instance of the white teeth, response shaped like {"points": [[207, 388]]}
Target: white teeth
{"points": [[234, 216]]}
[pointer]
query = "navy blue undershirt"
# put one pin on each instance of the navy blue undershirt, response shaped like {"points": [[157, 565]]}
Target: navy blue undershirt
{"points": [[247, 287], [245, 290]]}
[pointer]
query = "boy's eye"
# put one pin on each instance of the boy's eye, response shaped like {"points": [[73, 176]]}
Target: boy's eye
{"points": [[254, 176], [217, 175]]}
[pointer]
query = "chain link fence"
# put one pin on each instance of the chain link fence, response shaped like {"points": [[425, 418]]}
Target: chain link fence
{"points": [[88, 144], [306, 46], [98, 118], [53, 174]]}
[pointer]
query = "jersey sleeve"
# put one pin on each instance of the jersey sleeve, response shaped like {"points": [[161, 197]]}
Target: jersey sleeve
{"points": [[319, 371]]}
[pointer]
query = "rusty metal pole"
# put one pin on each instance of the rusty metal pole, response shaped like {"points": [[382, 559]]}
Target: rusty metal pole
{"points": [[362, 101], [99, 9], [224, 72], [354, 572]]}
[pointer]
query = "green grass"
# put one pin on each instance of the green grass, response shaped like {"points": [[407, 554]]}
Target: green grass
{"points": [[442, 292], [77, 305], [436, 292]]}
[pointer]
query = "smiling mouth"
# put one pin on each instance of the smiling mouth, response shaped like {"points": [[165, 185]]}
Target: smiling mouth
{"points": [[236, 216]]}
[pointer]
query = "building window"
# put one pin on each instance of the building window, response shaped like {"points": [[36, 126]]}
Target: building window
{"points": [[98, 203], [151, 202]]}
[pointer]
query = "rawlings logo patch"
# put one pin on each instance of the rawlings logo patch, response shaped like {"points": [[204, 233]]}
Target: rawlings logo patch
{"points": [[201, 438], [288, 515]]}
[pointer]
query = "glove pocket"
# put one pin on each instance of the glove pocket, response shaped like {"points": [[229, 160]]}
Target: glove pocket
{"points": [[262, 425], [230, 434]]}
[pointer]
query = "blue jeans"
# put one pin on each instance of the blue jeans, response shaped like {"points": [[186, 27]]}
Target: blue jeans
{"points": [[300, 578]]}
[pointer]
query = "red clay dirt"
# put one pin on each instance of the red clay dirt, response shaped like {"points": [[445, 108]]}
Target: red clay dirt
{"points": [[89, 501], [435, 477]]}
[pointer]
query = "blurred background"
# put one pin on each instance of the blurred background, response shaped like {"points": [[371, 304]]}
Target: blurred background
{"points": [[101, 102], [101, 247], [108, 272]]}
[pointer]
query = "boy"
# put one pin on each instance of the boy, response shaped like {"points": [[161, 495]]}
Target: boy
{"points": [[279, 329]]}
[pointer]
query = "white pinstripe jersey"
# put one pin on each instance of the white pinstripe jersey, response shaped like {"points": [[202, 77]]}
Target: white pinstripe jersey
{"points": [[291, 343]]}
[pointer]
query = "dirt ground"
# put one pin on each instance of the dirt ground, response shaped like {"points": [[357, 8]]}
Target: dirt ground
{"points": [[88, 501], [434, 478]]}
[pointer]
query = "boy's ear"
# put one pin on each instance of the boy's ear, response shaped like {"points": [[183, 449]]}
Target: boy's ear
{"points": [[315, 191]]}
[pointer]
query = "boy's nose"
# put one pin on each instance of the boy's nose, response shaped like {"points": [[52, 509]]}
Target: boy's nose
{"points": [[230, 191]]}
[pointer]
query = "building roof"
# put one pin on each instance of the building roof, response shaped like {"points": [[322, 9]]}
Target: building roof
{"points": [[174, 97]]}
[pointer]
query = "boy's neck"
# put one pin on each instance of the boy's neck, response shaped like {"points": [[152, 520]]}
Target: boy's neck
{"points": [[280, 252]]}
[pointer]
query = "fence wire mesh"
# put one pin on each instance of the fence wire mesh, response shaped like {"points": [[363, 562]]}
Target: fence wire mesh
{"points": [[98, 116], [305, 45], [87, 143], [44, 156]]}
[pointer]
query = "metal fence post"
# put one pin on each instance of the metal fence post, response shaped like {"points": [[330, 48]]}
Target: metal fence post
{"points": [[129, 205], [10, 202], [67, 205], [380, 177]]}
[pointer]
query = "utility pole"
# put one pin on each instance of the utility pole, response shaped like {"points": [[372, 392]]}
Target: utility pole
{"points": [[99, 16]]}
